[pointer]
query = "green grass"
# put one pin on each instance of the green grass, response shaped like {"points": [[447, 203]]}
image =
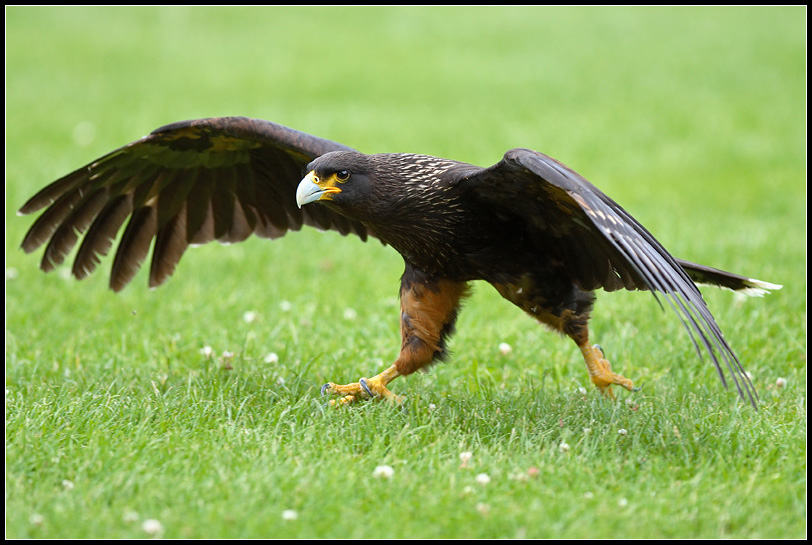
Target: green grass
{"points": [[692, 118]]}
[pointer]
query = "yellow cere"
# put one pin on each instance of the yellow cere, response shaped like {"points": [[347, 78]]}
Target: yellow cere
{"points": [[329, 184]]}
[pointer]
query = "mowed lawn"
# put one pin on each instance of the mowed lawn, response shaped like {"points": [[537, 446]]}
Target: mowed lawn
{"points": [[193, 410]]}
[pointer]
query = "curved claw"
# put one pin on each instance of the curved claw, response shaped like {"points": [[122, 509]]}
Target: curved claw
{"points": [[365, 386], [600, 370]]}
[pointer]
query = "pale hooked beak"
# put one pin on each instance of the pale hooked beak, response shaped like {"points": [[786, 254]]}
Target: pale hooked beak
{"points": [[309, 189]]}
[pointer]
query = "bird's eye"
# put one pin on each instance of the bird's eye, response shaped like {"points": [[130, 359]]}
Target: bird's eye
{"points": [[343, 175]]}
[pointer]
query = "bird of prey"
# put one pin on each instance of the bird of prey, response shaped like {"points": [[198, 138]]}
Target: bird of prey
{"points": [[541, 234]]}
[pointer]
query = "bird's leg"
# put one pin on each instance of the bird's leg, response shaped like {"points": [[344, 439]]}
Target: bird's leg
{"points": [[428, 310], [566, 309], [598, 367], [600, 370]]}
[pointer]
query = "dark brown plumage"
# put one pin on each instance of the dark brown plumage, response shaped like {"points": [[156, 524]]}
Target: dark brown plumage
{"points": [[540, 233]]}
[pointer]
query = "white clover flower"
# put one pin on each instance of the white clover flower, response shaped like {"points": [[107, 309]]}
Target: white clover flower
{"points": [[249, 316], [350, 314], [622, 431], [206, 351], [563, 447], [622, 502], [84, 133], [465, 457], [152, 527], [581, 390], [289, 514], [130, 516], [67, 485], [505, 348], [36, 519], [11, 273], [383, 472], [285, 306], [271, 358], [483, 478], [780, 382]]}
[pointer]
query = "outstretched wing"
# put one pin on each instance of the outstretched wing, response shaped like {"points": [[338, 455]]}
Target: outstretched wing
{"points": [[186, 183], [601, 244]]}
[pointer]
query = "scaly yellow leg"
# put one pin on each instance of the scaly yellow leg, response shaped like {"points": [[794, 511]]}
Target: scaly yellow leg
{"points": [[600, 370], [365, 388]]}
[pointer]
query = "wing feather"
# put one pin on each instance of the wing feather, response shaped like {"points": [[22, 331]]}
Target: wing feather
{"points": [[170, 244], [46, 225], [186, 183], [603, 245], [101, 234], [133, 247], [67, 234], [222, 203]]}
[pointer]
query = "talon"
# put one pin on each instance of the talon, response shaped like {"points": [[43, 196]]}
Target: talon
{"points": [[603, 354], [600, 371], [365, 386]]}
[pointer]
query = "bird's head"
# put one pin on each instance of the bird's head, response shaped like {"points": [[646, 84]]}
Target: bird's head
{"points": [[342, 178]]}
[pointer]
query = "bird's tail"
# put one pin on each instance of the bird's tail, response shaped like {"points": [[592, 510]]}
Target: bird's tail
{"points": [[714, 277]]}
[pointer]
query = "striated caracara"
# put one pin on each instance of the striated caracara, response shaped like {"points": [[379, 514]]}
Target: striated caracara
{"points": [[542, 235]]}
